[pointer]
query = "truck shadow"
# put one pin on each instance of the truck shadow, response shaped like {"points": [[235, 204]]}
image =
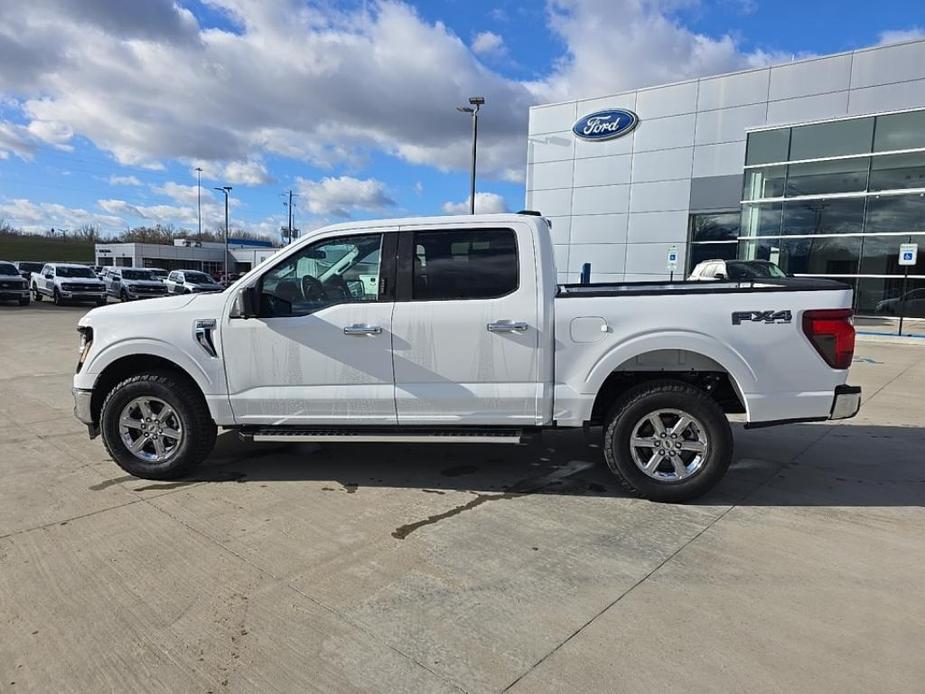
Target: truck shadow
{"points": [[796, 465]]}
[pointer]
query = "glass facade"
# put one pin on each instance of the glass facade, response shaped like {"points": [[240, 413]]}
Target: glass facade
{"points": [[835, 199]]}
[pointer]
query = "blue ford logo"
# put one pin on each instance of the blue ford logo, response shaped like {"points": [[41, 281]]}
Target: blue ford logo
{"points": [[605, 125]]}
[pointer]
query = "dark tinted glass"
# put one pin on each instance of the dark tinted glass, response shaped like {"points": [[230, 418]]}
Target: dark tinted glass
{"points": [[767, 182], [760, 249], [832, 139], [31, 267], [477, 264], [64, 271], [136, 274], [767, 146], [900, 131], [883, 297], [197, 278], [8, 269], [898, 171], [904, 213], [880, 255], [823, 216], [708, 251], [821, 177], [830, 255], [761, 220], [715, 227]]}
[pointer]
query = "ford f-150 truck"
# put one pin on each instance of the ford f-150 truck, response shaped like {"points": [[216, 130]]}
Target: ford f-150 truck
{"points": [[454, 329]]}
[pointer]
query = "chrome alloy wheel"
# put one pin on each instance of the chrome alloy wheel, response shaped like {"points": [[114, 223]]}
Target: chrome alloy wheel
{"points": [[669, 445], [150, 429]]}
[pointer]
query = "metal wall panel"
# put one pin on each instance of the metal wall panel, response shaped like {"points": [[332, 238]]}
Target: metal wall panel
{"points": [[652, 227], [728, 124], [554, 174], [661, 196], [664, 133], [602, 171], [600, 200], [551, 119], [719, 160], [661, 165], [808, 108], [667, 101], [810, 77], [599, 228], [734, 90], [897, 63]]}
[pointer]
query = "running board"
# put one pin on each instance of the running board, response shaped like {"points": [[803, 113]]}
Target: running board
{"points": [[383, 435]]}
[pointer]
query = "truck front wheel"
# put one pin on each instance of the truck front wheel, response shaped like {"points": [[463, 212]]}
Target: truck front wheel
{"points": [[156, 426], [667, 441]]}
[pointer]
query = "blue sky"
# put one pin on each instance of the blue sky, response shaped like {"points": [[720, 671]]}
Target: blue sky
{"points": [[106, 111]]}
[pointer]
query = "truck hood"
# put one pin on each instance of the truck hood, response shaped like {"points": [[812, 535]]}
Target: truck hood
{"points": [[142, 283], [209, 304]]}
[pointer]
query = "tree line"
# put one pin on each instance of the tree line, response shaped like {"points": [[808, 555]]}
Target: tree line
{"points": [[159, 233]]}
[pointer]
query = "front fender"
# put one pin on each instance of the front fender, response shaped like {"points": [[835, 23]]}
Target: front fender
{"points": [[208, 380]]}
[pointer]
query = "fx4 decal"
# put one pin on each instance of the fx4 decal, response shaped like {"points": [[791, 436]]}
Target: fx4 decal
{"points": [[768, 317]]}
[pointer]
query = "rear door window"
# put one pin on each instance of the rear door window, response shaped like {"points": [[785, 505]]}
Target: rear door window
{"points": [[470, 264]]}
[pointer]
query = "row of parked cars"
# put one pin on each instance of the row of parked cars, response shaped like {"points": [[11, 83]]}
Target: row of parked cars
{"points": [[72, 283]]}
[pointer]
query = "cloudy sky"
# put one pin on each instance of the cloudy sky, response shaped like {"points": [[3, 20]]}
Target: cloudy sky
{"points": [[108, 106]]}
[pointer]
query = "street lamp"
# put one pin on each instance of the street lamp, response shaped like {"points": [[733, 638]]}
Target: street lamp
{"points": [[225, 190], [199, 199], [473, 108]]}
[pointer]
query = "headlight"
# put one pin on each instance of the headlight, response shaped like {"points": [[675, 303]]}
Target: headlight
{"points": [[86, 341]]}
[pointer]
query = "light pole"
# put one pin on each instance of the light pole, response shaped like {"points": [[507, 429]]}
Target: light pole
{"points": [[474, 103], [225, 190], [199, 199]]}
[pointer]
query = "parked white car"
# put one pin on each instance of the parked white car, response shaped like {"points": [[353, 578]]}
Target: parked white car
{"points": [[737, 270], [453, 330], [12, 285], [64, 282], [190, 282], [130, 283]]}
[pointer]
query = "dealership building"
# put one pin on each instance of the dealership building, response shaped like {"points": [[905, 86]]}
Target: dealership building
{"points": [[818, 165], [186, 254]]}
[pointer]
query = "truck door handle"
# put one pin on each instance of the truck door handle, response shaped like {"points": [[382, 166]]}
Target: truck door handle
{"points": [[362, 329], [506, 326]]}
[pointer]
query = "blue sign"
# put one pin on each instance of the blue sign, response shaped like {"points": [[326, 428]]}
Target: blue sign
{"points": [[605, 125], [907, 256]]}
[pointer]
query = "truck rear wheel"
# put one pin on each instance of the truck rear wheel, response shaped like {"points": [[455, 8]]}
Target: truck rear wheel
{"points": [[156, 426], [667, 441], [35, 292]]}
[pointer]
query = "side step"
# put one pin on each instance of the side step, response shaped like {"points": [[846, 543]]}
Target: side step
{"points": [[384, 434]]}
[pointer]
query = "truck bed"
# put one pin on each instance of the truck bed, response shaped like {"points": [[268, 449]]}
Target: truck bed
{"points": [[796, 284]]}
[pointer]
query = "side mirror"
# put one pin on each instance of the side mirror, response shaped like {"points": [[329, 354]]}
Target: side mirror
{"points": [[247, 303], [720, 276]]}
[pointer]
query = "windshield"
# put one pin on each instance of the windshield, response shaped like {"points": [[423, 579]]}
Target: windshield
{"points": [[198, 278], [31, 267], [65, 271], [158, 274], [136, 275], [745, 271], [8, 269]]}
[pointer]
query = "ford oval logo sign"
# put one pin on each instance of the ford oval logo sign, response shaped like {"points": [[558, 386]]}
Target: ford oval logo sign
{"points": [[605, 125]]}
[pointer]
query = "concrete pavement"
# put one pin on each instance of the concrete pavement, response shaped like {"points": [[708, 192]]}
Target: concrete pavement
{"points": [[415, 568]]}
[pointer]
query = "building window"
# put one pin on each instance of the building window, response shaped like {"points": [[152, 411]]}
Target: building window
{"points": [[823, 216], [834, 139], [900, 131], [713, 236], [897, 171], [768, 146], [844, 213]]}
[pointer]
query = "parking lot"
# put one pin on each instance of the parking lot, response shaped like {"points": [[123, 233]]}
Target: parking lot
{"points": [[465, 568]]}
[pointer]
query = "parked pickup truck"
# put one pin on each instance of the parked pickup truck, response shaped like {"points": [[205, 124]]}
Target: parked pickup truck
{"points": [[453, 329], [130, 283], [63, 282]]}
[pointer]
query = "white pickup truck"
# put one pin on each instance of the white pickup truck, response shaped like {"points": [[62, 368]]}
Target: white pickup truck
{"points": [[453, 329]]}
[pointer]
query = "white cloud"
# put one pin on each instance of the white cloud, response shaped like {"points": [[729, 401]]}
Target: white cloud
{"points": [[342, 196], [488, 43], [124, 181], [485, 203], [615, 45], [898, 35], [40, 217]]}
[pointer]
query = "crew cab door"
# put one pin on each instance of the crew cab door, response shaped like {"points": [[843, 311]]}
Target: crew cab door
{"points": [[465, 327], [320, 351]]}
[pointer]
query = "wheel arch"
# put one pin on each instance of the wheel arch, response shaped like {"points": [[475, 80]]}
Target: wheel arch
{"points": [[716, 370], [130, 365]]}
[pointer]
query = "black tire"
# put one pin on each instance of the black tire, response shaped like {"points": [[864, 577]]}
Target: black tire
{"points": [[636, 405], [56, 298], [189, 405], [35, 293], [123, 296]]}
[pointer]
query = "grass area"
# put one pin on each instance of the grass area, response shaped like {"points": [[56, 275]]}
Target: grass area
{"points": [[14, 248]]}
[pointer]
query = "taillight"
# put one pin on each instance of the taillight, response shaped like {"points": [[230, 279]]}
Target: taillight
{"points": [[831, 332]]}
